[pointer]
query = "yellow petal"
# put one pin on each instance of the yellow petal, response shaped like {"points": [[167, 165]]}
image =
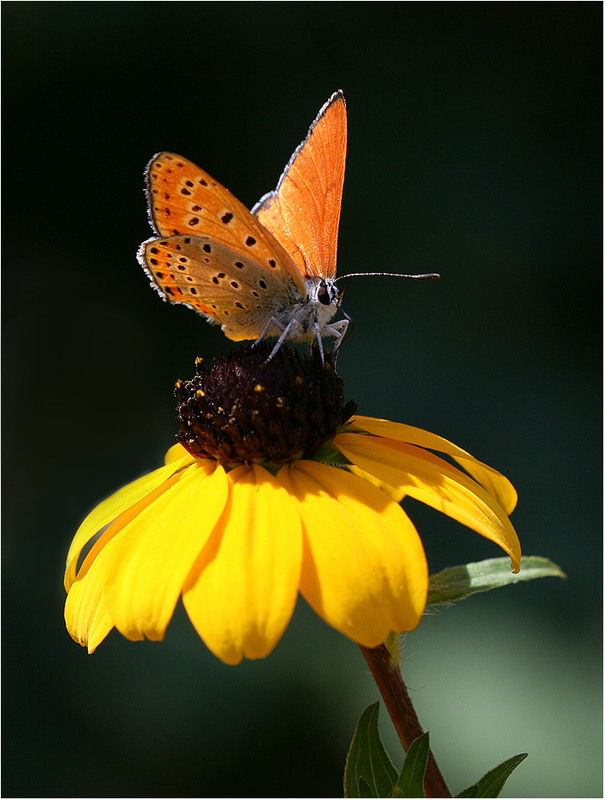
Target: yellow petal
{"points": [[395, 494], [493, 481], [364, 568], [432, 480], [86, 615], [241, 593], [151, 557], [175, 453], [112, 507]]}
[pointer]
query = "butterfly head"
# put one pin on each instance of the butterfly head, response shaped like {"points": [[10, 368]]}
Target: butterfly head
{"points": [[322, 302], [325, 292]]}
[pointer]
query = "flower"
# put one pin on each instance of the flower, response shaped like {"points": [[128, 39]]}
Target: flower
{"points": [[275, 488]]}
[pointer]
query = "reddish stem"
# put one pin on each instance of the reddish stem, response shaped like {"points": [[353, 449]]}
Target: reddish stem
{"points": [[395, 694]]}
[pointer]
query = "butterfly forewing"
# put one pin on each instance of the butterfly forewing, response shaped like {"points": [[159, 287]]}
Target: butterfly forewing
{"points": [[230, 288], [185, 200], [303, 213]]}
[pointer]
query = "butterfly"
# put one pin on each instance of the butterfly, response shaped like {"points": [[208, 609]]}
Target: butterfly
{"points": [[267, 272]]}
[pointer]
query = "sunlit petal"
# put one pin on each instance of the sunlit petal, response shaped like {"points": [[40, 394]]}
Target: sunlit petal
{"points": [[241, 593], [364, 567], [493, 481], [395, 494], [150, 559], [87, 617], [175, 453], [87, 613], [430, 479], [112, 507]]}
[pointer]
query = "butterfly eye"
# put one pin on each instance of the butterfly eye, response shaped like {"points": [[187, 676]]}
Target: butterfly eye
{"points": [[323, 294]]}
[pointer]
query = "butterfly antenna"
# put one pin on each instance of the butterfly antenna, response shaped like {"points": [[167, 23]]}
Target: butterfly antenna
{"points": [[424, 276]]}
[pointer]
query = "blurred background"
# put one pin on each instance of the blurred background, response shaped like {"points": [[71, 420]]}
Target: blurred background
{"points": [[474, 151]]}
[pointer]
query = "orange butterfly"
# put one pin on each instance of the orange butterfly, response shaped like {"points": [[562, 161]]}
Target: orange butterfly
{"points": [[266, 272]]}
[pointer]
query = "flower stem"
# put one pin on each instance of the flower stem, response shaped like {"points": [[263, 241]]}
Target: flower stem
{"points": [[387, 675]]}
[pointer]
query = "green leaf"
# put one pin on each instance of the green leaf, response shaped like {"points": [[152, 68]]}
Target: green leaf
{"points": [[369, 771], [411, 779], [491, 784], [456, 583]]}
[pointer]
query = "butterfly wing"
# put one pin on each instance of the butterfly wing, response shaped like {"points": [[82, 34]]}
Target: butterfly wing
{"points": [[303, 212], [185, 200], [226, 286]]}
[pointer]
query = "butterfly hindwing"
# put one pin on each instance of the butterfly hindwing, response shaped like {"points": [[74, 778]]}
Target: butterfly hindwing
{"points": [[226, 286], [186, 200]]}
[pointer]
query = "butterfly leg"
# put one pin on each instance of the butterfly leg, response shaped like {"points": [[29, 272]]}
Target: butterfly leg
{"points": [[339, 331], [320, 344], [292, 325], [264, 333]]}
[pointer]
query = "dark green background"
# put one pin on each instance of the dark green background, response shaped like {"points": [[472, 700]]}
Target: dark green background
{"points": [[475, 151]]}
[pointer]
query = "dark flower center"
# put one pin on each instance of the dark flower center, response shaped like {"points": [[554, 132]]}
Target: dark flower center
{"points": [[244, 409]]}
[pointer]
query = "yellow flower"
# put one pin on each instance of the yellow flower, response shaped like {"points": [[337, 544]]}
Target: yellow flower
{"points": [[239, 536]]}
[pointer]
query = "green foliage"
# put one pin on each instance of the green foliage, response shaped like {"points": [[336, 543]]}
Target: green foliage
{"points": [[456, 583], [411, 779], [369, 772], [491, 784]]}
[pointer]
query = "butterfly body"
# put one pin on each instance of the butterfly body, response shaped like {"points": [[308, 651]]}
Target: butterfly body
{"points": [[309, 319], [266, 272]]}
